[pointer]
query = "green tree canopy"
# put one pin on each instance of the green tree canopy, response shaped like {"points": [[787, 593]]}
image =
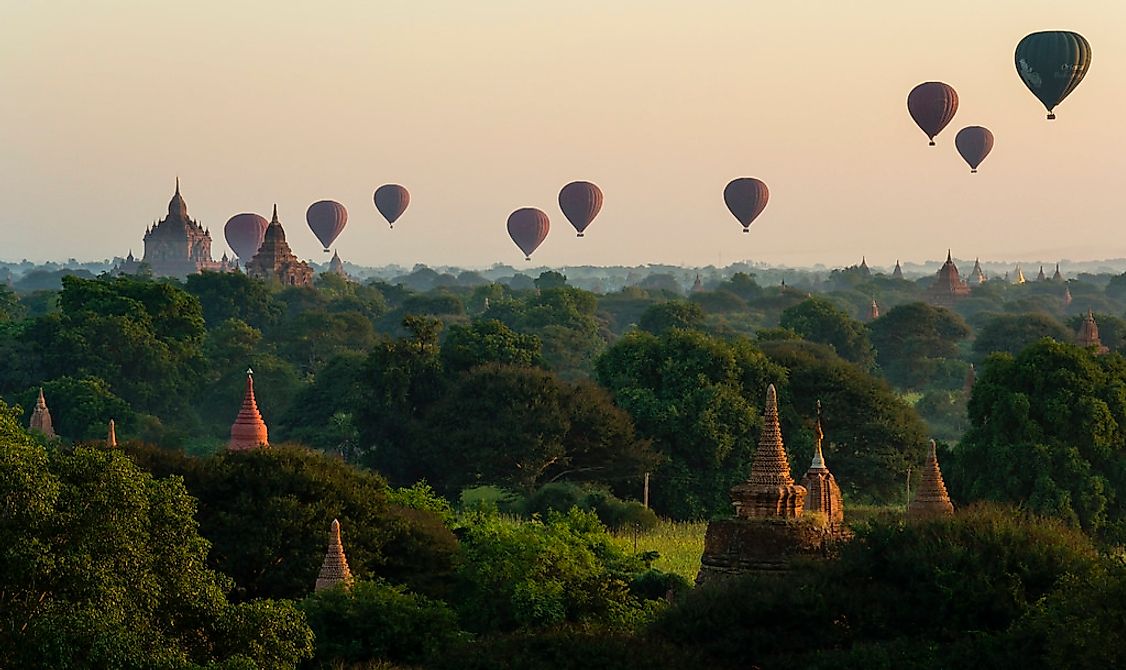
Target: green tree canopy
{"points": [[913, 340], [664, 316], [1011, 333], [818, 320]]}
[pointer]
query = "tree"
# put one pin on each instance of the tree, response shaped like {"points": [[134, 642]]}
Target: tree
{"points": [[818, 320], [696, 397], [10, 307], [82, 407], [1046, 431], [1011, 333], [871, 435], [664, 316], [234, 295], [488, 341], [913, 340], [101, 565], [550, 279]]}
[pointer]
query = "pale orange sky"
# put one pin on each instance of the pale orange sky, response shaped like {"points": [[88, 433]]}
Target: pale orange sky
{"points": [[483, 107]]}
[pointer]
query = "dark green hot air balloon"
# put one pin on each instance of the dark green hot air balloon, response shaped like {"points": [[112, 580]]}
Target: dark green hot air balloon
{"points": [[1052, 63]]}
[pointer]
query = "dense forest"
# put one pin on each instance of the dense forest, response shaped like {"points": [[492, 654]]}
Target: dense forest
{"points": [[485, 443]]}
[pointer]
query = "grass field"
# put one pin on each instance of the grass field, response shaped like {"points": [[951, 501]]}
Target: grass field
{"points": [[680, 545]]}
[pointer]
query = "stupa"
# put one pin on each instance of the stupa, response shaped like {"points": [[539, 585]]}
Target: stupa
{"points": [[976, 275], [336, 266], [1088, 335], [697, 286], [824, 494], [1057, 277], [1040, 276], [948, 285], [897, 273], [768, 531], [1019, 277], [873, 311], [248, 431], [1066, 296], [41, 417], [931, 500], [334, 570], [275, 260], [111, 435]]}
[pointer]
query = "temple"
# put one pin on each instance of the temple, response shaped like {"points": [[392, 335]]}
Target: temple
{"points": [[175, 246], [334, 570], [697, 286], [41, 417], [248, 431], [873, 311], [931, 500], [1057, 277], [948, 285], [863, 267], [770, 490], [897, 273], [1088, 334], [1019, 277], [976, 275], [1040, 276], [824, 494], [1066, 296], [336, 266], [276, 262], [111, 435]]}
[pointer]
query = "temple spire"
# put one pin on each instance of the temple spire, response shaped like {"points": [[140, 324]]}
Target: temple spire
{"points": [[818, 435], [770, 490], [111, 437], [41, 417], [931, 500], [824, 494], [248, 431], [334, 570], [274, 219]]}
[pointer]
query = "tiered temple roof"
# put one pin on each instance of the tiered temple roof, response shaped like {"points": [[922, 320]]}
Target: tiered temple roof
{"points": [[1088, 334], [770, 490], [41, 417], [275, 261], [931, 500], [249, 430], [824, 494], [948, 284], [175, 246], [334, 570]]}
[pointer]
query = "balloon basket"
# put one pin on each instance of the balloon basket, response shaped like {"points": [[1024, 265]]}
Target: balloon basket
{"points": [[931, 143], [746, 230], [973, 171], [1051, 117], [327, 251], [579, 235], [527, 258]]}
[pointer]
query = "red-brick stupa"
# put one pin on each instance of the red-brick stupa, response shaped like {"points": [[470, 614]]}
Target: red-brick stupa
{"points": [[248, 431]]}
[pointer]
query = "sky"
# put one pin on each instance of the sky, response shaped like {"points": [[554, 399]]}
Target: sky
{"points": [[483, 107]]}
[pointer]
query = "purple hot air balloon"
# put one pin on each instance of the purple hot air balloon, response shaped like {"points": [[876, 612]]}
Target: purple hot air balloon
{"points": [[528, 228], [244, 233], [580, 202], [932, 105], [746, 197], [974, 143], [391, 200], [327, 219]]}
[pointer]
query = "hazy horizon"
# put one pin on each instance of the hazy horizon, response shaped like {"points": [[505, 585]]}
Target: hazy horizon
{"points": [[482, 109]]}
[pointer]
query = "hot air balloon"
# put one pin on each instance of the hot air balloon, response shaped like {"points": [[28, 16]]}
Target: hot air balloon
{"points": [[327, 219], [932, 105], [1051, 64], [244, 233], [746, 197], [974, 143], [528, 228], [391, 200], [580, 202]]}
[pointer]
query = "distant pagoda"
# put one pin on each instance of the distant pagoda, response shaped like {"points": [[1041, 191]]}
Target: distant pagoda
{"points": [[1040, 276], [1088, 334], [334, 570], [897, 273], [824, 494], [336, 266], [1057, 277], [1019, 277], [948, 285], [863, 267], [175, 246], [976, 275], [41, 417], [276, 262], [770, 490], [1066, 296], [249, 430], [697, 286], [111, 435], [873, 311], [931, 500]]}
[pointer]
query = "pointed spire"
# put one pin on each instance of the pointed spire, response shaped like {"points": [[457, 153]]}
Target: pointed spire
{"points": [[1088, 335], [1041, 276], [770, 490], [873, 311], [111, 437], [824, 494], [897, 273], [41, 417], [334, 570], [818, 435], [1057, 276], [931, 500], [248, 431], [1066, 296], [948, 258], [274, 219], [177, 184]]}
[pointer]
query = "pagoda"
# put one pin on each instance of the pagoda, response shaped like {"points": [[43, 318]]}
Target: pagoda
{"points": [[248, 431], [41, 417], [976, 275], [1041, 276], [1057, 277], [175, 246], [768, 531], [276, 262], [873, 311], [334, 570], [863, 267], [336, 266], [770, 490], [948, 285], [931, 500], [1066, 296], [111, 435], [824, 494], [697, 286], [1019, 278], [897, 273], [1088, 335]]}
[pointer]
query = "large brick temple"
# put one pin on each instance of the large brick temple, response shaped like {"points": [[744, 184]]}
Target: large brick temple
{"points": [[176, 246]]}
